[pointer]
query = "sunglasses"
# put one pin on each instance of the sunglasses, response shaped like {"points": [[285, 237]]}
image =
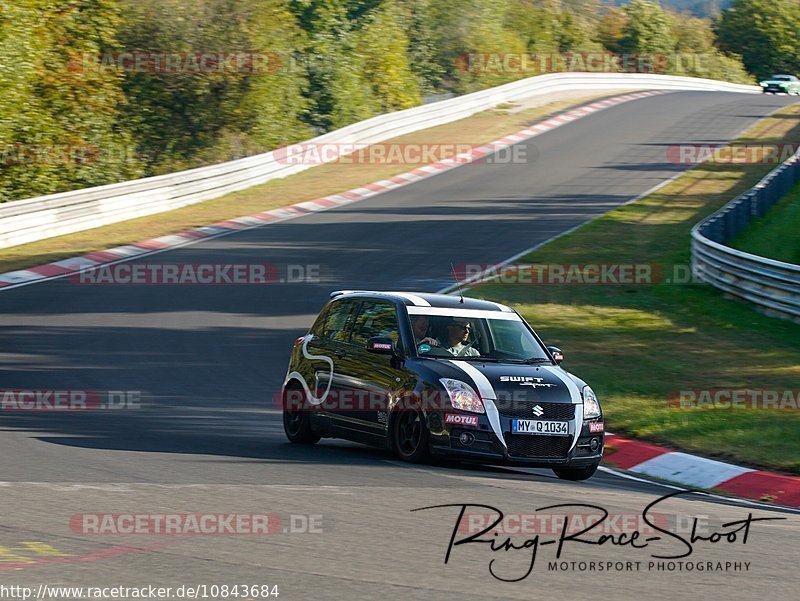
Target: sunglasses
{"points": [[461, 326]]}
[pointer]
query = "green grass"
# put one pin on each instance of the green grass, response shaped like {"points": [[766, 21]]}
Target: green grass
{"points": [[777, 234], [638, 345]]}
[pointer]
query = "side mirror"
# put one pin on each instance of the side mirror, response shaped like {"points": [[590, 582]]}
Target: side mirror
{"points": [[557, 354], [383, 345]]}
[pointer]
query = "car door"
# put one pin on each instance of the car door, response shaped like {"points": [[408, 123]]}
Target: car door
{"points": [[330, 341], [370, 377]]}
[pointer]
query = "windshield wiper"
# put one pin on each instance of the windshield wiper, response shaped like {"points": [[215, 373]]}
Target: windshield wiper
{"points": [[474, 358], [530, 360]]}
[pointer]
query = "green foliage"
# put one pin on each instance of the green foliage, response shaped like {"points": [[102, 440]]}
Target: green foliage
{"points": [[692, 34], [329, 63], [576, 33], [536, 24], [58, 124], [474, 28], [337, 90], [765, 33], [186, 118], [697, 56], [611, 29], [776, 235], [422, 51], [384, 45], [647, 30]]}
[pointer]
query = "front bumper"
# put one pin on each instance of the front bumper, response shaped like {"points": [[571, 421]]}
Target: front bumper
{"points": [[524, 450]]}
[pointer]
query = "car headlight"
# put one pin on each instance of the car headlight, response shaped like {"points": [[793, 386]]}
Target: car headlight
{"points": [[463, 396], [591, 406]]}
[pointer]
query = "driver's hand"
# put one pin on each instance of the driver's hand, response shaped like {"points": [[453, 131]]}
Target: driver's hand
{"points": [[429, 340]]}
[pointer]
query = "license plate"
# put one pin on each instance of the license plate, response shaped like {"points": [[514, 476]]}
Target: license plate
{"points": [[532, 426]]}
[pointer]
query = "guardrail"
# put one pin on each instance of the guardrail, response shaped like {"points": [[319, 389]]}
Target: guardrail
{"points": [[773, 286], [42, 217]]}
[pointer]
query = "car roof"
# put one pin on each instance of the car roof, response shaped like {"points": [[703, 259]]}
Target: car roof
{"points": [[426, 299]]}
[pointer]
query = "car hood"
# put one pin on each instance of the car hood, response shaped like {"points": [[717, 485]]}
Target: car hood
{"points": [[512, 382]]}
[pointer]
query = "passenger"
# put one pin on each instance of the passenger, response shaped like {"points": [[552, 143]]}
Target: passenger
{"points": [[458, 331], [419, 324]]}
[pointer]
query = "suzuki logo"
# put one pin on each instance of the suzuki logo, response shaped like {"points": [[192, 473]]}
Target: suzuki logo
{"points": [[538, 411]]}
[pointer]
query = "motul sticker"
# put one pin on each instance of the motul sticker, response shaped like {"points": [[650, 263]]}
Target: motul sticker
{"points": [[596, 427], [461, 420]]}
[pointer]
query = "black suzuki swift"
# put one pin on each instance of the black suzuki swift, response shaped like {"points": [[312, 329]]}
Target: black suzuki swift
{"points": [[427, 374]]}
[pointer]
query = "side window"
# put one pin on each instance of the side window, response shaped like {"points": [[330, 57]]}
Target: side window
{"points": [[336, 320], [376, 318], [508, 338]]}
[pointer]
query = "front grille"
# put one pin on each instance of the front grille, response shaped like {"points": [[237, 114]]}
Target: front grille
{"points": [[526, 445], [524, 409]]}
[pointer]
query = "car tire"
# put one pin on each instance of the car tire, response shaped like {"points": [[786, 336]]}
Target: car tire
{"points": [[410, 436], [576, 473], [296, 419]]}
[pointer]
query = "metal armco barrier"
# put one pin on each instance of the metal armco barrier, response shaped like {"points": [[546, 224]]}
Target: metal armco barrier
{"points": [[773, 286], [43, 217]]}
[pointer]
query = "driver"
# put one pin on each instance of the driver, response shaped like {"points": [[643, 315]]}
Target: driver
{"points": [[458, 331]]}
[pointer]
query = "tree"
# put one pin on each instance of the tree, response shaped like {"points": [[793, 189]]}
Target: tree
{"points": [[647, 29], [692, 34], [59, 122], [384, 45], [697, 56], [422, 51], [271, 104], [765, 33], [611, 29], [187, 116], [475, 30], [576, 33], [338, 92], [537, 25]]}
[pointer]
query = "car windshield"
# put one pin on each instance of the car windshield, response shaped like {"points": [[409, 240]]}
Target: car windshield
{"points": [[475, 336], [781, 78]]}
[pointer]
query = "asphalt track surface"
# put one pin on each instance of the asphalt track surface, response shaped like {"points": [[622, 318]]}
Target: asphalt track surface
{"points": [[208, 361]]}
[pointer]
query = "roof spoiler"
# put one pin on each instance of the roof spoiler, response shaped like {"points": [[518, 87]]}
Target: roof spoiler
{"points": [[336, 293]]}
